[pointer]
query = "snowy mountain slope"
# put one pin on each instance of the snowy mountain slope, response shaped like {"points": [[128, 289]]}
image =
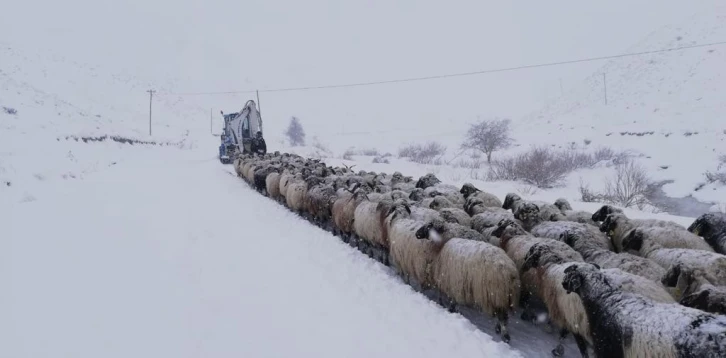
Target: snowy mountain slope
{"points": [[48, 97], [169, 255], [666, 106]]}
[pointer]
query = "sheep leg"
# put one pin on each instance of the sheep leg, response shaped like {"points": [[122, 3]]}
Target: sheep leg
{"points": [[581, 344], [501, 327], [559, 351]]}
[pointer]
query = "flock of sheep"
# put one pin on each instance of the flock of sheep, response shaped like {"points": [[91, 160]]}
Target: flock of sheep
{"points": [[624, 287]]}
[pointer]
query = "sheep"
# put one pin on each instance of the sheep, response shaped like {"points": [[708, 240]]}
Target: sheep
{"points": [[712, 264], [480, 275], [565, 311], [412, 257], [625, 324], [450, 192], [563, 205], [617, 225], [672, 239], [449, 231], [272, 185], [468, 190], [556, 229], [546, 212], [260, 177], [319, 201], [516, 243], [490, 217], [427, 180], [285, 180], [295, 194], [568, 214], [712, 227], [694, 291], [595, 254], [344, 209], [369, 219], [416, 194], [455, 215]]}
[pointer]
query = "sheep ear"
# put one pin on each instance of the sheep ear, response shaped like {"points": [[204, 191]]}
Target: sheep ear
{"points": [[408, 208], [597, 266]]}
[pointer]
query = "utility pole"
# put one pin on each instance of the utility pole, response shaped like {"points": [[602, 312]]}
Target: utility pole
{"points": [[605, 87], [562, 89], [259, 108], [151, 96]]}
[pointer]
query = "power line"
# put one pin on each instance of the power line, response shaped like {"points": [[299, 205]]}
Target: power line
{"points": [[461, 74]]}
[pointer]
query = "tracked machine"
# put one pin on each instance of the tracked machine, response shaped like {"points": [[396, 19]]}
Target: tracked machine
{"points": [[242, 133]]}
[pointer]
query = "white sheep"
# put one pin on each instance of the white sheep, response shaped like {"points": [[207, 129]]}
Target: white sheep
{"points": [[617, 226], [556, 229], [695, 291], [469, 191], [272, 184], [594, 253], [672, 239], [478, 274], [712, 265], [624, 324]]}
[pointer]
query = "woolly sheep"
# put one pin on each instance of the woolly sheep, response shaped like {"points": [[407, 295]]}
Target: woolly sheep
{"points": [[427, 180], [449, 231], [693, 290], [617, 225], [671, 239], [556, 229], [490, 217], [712, 227], [295, 194], [712, 264], [480, 275], [344, 209], [546, 212], [272, 185], [566, 311], [468, 190], [455, 215], [412, 257], [593, 253], [624, 324]]}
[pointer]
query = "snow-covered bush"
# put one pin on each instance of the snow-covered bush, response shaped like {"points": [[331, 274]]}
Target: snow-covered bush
{"points": [[629, 186], [488, 137], [381, 160], [11, 111], [429, 153], [719, 176], [540, 166]]}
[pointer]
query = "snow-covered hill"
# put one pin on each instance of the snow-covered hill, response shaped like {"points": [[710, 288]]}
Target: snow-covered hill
{"points": [[666, 106]]}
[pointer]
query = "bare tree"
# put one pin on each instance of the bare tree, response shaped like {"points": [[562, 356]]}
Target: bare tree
{"points": [[295, 132], [488, 137]]}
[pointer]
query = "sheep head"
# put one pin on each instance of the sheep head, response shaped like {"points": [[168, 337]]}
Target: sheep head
{"points": [[528, 213], [563, 204], [611, 223], [708, 224], [431, 231], [467, 189], [398, 209], [602, 213], [427, 180], [508, 228], [416, 195], [670, 279], [509, 201]]}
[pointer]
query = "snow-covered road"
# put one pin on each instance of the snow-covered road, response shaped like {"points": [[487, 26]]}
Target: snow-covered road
{"points": [[174, 257]]}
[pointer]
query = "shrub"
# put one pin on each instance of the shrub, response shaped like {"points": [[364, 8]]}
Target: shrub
{"points": [[369, 152], [488, 137], [540, 166], [381, 160], [629, 186], [320, 151], [11, 111], [718, 176], [429, 153]]}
